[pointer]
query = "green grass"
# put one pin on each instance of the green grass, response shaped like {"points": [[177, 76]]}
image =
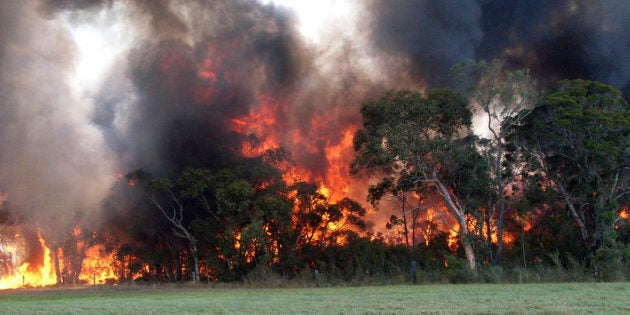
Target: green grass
{"points": [[565, 298]]}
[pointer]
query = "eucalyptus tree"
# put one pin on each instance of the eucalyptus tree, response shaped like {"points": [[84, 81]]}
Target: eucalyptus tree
{"points": [[425, 143], [236, 216], [319, 222], [171, 199], [404, 195], [242, 214], [577, 142], [505, 98]]}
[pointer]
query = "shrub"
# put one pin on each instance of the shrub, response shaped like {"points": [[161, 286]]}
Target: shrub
{"points": [[608, 263]]}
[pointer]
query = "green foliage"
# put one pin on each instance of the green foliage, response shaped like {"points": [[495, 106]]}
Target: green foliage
{"points": [[195, 181], [576, 145], [492, 274], [422, 144], [234, 199], [468, 173], [364, 260], [609, 261], [405, 125], [410, 137], [239, 219], [160, 185]]}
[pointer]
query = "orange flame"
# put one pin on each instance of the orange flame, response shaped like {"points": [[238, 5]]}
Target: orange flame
{"points": [[337, 157], [210, 71], [508, 238], [98, 266], [261, 123], [453, 238], [29, 275], [272, 134], [332, 146]]}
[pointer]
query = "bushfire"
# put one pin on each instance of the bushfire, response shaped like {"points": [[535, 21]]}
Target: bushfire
{"points": [[27, 274], [169, 86], [97, 266]]}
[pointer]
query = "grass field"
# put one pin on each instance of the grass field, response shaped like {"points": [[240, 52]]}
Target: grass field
{"points": [[565, 298]]}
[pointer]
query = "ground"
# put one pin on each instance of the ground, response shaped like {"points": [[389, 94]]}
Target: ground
{"points": [[602, 298]]}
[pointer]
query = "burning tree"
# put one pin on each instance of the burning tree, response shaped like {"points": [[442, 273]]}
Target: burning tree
{"points": [[425, 142], [210, 210], [318, 222], [403, 193], [575, 143], [505, 97]]}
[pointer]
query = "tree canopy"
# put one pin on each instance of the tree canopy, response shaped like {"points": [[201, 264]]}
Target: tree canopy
{"points": [[578, 140], [423, 142]]}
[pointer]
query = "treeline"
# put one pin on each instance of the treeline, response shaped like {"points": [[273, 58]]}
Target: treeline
{"points": [[540, 189]]}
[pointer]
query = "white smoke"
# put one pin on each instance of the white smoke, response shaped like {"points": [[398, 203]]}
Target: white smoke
{"points": [[54, 164]]}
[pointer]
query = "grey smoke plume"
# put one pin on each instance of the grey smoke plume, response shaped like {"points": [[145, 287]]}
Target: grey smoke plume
{"points": [[54, 165]]}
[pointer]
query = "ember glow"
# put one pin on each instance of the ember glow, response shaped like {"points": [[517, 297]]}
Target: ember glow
{"points": [[94, 89]]}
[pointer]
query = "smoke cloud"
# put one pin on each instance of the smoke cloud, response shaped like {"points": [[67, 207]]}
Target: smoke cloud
{"points": [[434, 35], [54, 165], [556, 40]]}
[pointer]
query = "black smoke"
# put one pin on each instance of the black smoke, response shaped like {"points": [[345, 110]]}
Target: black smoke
{"points": [[434, 35], [187, 92], [562, 39]]}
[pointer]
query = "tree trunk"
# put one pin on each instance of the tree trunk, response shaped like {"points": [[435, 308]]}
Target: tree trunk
{"points": [[523, 247], [576, 216], [415, 213], [458, 212], [488, 219], [193, 249], [170, 271], [466, 245], [501, 193], [77, 264], [404, 217], [55, 254], [178, 272], [497, 256], [414, 218]]}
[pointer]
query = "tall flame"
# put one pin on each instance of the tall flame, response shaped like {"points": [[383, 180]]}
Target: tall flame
{"points": [[264, 124], [30, 275]]}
